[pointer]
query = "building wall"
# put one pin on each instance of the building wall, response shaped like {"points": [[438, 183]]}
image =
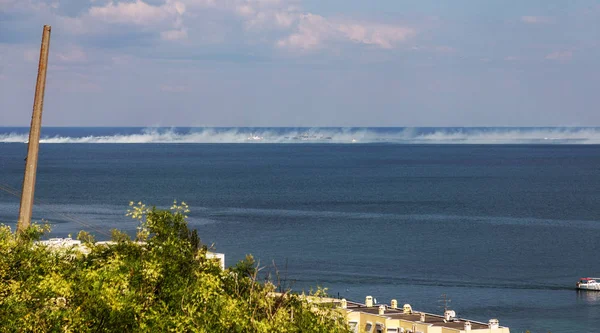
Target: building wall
{"points": [[217, 256], [362, 318]]}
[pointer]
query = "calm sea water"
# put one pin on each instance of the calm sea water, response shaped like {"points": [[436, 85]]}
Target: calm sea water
{"points": [[503, 221]]}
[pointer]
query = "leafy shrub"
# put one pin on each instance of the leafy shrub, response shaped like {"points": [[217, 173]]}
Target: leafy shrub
{"points": [[161, 282]]}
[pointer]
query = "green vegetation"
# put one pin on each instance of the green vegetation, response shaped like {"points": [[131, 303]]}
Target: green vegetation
{"points": [[159, 282]]}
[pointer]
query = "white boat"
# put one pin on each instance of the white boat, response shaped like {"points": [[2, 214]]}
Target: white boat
{"points": [[588, 283]]}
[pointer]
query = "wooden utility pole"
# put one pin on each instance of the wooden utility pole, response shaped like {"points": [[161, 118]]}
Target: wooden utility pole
{"points": [[34, 136]]}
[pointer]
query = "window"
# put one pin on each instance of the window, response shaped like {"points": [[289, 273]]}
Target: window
{"points": [[353, 326], [368, 327]]}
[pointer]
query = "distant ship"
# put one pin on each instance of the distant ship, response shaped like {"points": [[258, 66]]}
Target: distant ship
{"points": [[588, 283]]}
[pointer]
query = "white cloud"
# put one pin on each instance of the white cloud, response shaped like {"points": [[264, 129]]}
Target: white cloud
{"points": [[284, 19], [138, 12], [560, 55], [279, 23], [245, 10], [73, 54], [384, 36], [535, 19], [166, 19], [305, 30], [313, 31], [174, 34], [260, 15]]}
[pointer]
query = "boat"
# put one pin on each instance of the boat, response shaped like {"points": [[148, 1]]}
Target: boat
{"points": [[588, 283]]}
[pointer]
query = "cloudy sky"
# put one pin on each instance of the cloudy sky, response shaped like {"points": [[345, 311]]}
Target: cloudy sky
{"points": [[304, 62]]}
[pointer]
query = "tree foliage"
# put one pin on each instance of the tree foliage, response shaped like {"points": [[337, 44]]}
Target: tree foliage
{"points": [[161, 281]]}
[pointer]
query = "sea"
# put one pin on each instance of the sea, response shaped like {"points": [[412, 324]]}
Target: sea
{"points": [[502, 222]]}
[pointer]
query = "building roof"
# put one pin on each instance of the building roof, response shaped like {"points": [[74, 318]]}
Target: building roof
{"points": [[69, 243], [431, 319]]}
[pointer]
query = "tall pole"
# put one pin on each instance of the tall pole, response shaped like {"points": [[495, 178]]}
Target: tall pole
{"points": [[34, 136]]}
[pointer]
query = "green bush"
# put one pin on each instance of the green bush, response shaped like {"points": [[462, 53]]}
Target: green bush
{"points": [[161, 282]]}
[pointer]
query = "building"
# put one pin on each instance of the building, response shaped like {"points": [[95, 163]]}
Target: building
{"points": [[69, 243], [370, 318], [362, 318]]}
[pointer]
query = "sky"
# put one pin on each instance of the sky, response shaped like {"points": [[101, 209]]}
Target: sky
{"points": [[262, 63]]}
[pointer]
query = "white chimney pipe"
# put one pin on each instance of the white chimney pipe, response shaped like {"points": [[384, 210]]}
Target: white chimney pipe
{"points": [[344, 303], [468, 326]]}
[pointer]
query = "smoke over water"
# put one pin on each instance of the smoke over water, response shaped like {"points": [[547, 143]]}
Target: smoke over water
{"points": [[490, 135]]}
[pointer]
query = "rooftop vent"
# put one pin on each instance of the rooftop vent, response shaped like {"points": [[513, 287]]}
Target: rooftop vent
{"points": [[494, 323], [344, 303], [407, 309], [449, 315], [394, 304], [468, 326], [422, 318], [369, 301], [382, 309]]}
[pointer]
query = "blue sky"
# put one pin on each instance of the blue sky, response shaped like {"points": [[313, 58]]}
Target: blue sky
{"points": [[303, 62]]}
